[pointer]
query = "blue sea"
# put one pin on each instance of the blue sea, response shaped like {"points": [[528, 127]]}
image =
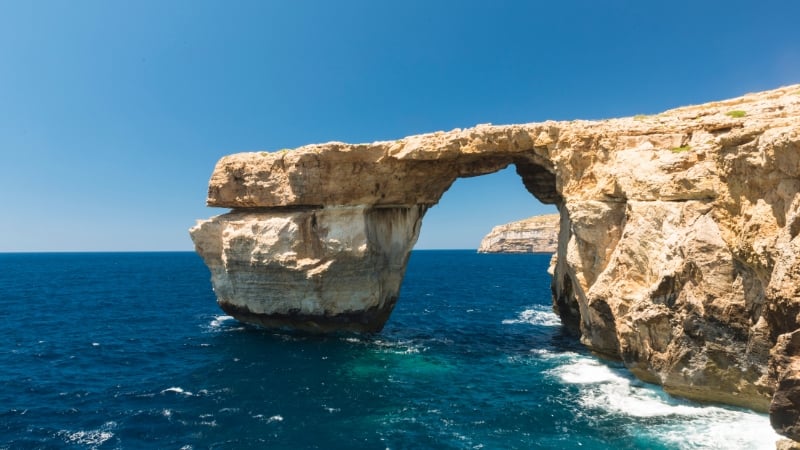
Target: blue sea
{"points": [[129, 350]]}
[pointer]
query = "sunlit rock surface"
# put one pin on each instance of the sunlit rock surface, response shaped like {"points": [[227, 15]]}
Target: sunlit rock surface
{"points": [[678, 237], [537, 234], [315, 269]]}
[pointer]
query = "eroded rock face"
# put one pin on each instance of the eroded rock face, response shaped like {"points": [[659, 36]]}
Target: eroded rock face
{"points": [[313, 269], [677, 251], [785, 365], [537, 234]]}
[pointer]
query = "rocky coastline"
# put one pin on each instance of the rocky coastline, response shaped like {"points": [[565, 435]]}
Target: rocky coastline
{"points": [[678, 249], [537, 234]]}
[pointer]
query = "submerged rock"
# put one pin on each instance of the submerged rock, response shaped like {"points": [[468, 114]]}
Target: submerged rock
{"points": [[537, 234], [677, 246]]}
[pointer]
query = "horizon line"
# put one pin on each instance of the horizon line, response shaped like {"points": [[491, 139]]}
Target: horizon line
{"points": [[23, 252]]}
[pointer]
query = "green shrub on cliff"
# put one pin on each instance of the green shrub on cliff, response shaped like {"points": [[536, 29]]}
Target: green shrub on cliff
{"points": [[681, 149]]}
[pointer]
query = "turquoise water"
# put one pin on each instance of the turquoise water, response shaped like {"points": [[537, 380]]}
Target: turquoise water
{"points": [[130, 351]]}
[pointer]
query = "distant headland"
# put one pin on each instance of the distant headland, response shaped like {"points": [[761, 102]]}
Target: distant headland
{"points": [[537, 234]]}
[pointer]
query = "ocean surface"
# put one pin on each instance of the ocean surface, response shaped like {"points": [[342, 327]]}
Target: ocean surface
{"points": [[129, 350]]}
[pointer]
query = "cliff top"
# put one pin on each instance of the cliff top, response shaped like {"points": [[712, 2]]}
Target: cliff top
{"points": [[544, 220], [402, 172]]}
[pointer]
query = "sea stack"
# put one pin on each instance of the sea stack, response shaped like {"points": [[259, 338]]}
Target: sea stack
{"points": [[678, 249], [537, 234]]}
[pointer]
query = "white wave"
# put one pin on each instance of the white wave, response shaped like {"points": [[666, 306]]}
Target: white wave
{"points": [[544, 353], [612, 392], [218, 321], [607, 389], [92, 438], [717, 429], [542, 316], [272, 419], [586, 371], [399, 347], [177, 390]]}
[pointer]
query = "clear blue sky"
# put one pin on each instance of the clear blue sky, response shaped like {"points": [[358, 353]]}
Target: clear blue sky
{"points": [[112, 114]]}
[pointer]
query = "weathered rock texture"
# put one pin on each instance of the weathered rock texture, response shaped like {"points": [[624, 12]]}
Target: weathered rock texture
{"points": [[678, 239], [315, 269], [537, 234]]}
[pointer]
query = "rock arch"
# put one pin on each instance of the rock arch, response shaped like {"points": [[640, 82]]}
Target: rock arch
{"points": [[319, 237], [678, 249]]}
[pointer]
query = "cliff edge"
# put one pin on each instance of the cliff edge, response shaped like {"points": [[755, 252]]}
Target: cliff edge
{"points": [[537, 234], [678, 248]]}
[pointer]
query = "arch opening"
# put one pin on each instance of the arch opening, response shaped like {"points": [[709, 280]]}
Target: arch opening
{"points": [[475, 204], [472, 205]]}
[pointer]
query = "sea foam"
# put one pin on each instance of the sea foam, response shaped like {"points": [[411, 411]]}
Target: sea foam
{"points": [[611, 392], [218, 321], [177, 390], [538, 315], [90, 438]]}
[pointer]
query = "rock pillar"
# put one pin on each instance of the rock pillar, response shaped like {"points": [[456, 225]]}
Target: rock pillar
{"points": [[313, 269]]}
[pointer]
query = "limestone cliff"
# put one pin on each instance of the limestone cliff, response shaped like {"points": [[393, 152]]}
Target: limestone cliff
{"points": [[537, 234], [678, 248], [314, 269]]}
